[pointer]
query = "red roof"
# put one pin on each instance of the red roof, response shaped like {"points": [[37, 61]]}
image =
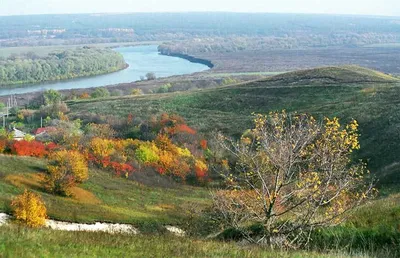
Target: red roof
{"points": [[44, 129]]}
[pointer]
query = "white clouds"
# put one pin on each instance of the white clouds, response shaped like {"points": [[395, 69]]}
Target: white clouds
{"points": [[375, 7]]}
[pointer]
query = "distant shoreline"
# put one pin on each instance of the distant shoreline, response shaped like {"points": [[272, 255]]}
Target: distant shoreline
{"points": [[191, 59]]}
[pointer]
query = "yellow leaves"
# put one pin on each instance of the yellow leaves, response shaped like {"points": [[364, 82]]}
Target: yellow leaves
{"points": [[246, 140], [184, 152], [147, 153], [65, 169], [29, 209], [101, 148]]}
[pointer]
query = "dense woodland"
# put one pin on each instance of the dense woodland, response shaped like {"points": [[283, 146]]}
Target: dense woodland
{"points": [[68, 64]]}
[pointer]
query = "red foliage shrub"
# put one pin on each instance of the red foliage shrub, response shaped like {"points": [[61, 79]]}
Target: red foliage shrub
{"points": [[183, 128], [203, 144], [51, 146], [121, 168], [29, 148]]}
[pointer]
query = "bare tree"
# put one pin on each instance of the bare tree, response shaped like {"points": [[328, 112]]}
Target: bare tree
{"points": [[291, 175]]}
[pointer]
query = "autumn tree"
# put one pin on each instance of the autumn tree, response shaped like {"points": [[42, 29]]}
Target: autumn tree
{"points": [[29, 209], [65, 169], [289, 176]]}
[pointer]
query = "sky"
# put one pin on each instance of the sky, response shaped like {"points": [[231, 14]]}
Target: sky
{"points": [[360, 7]]}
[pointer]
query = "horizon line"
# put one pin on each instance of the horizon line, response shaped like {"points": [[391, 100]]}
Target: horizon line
{"points": [[205, 12]]}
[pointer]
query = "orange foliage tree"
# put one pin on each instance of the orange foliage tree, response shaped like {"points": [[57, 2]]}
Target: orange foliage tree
{"points": [[29, 209]]}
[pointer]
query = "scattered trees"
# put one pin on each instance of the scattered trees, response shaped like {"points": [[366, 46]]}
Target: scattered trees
{"points": [[289, 176], [29, 209]]}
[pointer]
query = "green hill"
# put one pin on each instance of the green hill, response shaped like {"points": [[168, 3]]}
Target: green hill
{"points": [[328, 75], [373, 101]]}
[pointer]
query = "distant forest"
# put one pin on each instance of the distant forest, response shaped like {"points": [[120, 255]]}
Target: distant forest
{"points": [[297, 29], [69, 64]]}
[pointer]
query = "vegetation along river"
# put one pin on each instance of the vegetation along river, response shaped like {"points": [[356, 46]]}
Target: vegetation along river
{"points": [[141, 60]]}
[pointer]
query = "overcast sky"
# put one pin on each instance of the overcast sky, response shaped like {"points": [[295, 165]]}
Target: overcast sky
{"points": [[365, 7]]}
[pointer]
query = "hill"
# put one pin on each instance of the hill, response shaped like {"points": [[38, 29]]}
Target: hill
{"points": [[333, 75], [111, 199], [363, 94]]}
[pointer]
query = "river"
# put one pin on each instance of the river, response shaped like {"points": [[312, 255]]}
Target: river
{"points": [[141, 60]]}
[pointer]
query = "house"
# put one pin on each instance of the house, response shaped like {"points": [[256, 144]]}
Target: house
{"points": [[18, 135], [44, 130]]}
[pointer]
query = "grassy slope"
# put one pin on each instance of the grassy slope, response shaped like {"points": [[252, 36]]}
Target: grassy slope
{"points": [[341, 74], [373, 102], [103, 198], [17, 242]]}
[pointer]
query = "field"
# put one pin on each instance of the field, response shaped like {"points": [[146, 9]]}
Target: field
{"points": [[381, 58]]}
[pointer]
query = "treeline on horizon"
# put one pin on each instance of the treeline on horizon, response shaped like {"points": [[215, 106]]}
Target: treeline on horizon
{"points": [[79, 62], [240, 43], [67, 29]]}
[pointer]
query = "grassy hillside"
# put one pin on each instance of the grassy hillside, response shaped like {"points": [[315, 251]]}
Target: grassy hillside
{"points": [[368, 96], [373, 228], [103, 197], [341, 74]]}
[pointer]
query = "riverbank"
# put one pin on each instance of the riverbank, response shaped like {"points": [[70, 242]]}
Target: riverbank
{"points": [[189, 58], [27, 84]]}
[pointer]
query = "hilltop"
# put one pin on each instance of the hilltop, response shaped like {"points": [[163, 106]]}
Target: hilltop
{"points": [[335, 74]]}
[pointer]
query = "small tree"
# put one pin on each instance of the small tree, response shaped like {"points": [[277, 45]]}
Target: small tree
{"points": [[164, 88], [289, 176], [65, 169], [100, 93], [52, 97], [29, 209], [151, 76], [136, 92]]}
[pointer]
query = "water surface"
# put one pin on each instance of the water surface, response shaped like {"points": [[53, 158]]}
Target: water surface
{"points": [[141, 60]]}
